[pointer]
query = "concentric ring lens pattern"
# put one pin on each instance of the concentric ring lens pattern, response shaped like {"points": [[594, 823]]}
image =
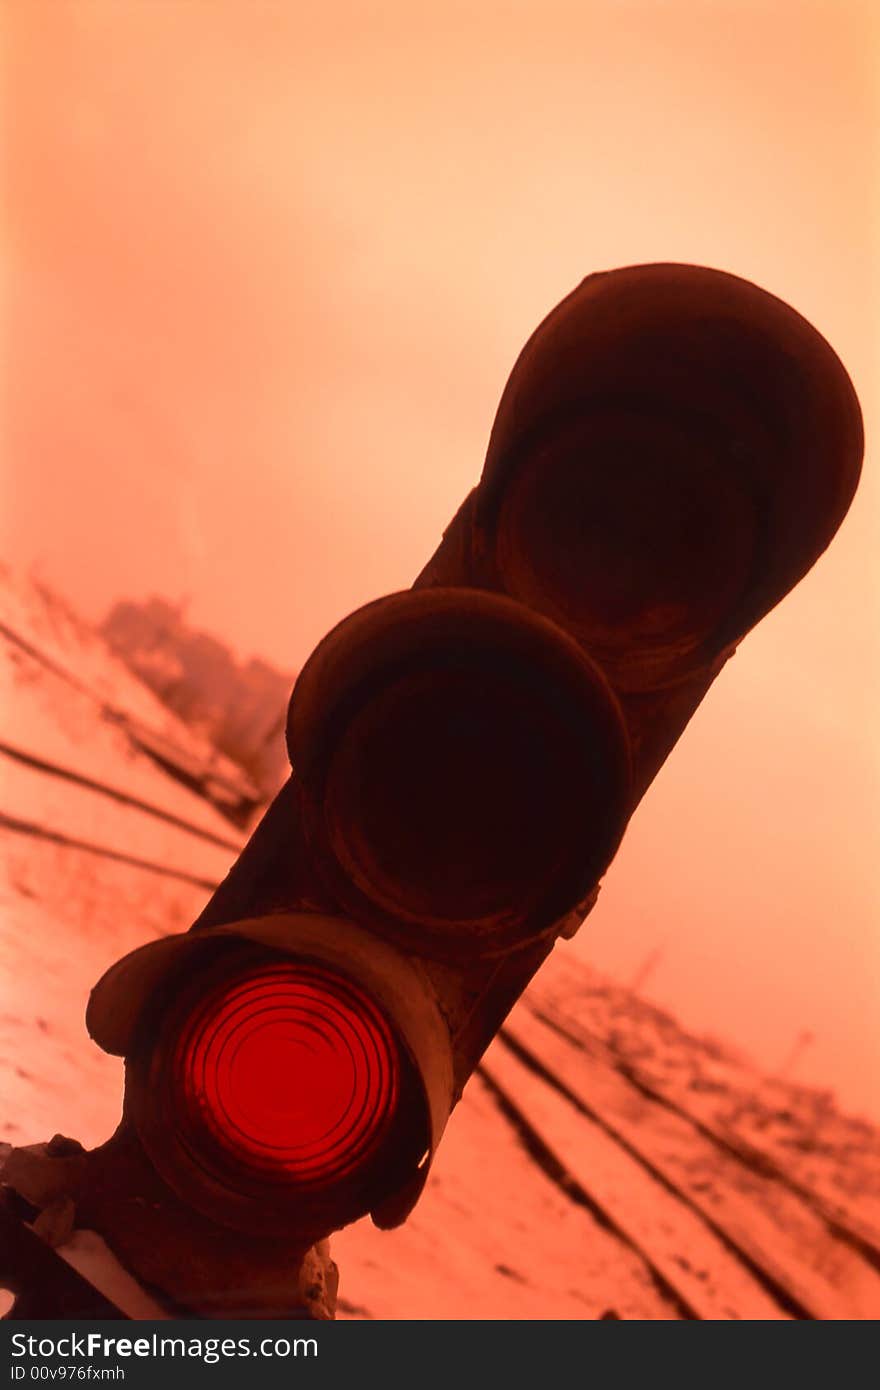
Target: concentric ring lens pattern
{"points": [[285, 1074]]}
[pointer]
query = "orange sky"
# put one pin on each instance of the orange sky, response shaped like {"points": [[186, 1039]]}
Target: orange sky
{"points": [[266, 276]]}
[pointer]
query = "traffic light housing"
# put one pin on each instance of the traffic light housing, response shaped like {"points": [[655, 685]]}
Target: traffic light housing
{"points": [[673, 450]]}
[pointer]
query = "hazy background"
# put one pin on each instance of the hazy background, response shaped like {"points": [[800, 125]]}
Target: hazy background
{"points": [[265, 274]]}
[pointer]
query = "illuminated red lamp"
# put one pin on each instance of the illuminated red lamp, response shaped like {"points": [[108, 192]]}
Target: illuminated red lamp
{"points": [[273, 1093], [287, 1074]]}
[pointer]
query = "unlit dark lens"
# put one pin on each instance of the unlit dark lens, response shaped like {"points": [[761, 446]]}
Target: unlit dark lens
{"points": [[636, 533], [465, 793]]}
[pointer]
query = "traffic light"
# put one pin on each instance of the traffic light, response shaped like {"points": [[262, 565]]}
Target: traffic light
{"points": [[673, 450]]}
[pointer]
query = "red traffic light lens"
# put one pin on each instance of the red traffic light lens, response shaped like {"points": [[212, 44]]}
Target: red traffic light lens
{"points": [[281, 1074]]}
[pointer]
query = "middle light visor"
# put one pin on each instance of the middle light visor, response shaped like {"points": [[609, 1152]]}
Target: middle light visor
{"points": [[465, 767]]}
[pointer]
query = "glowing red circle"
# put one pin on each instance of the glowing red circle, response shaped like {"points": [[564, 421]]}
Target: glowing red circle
{"points": [[287, 1073]]}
